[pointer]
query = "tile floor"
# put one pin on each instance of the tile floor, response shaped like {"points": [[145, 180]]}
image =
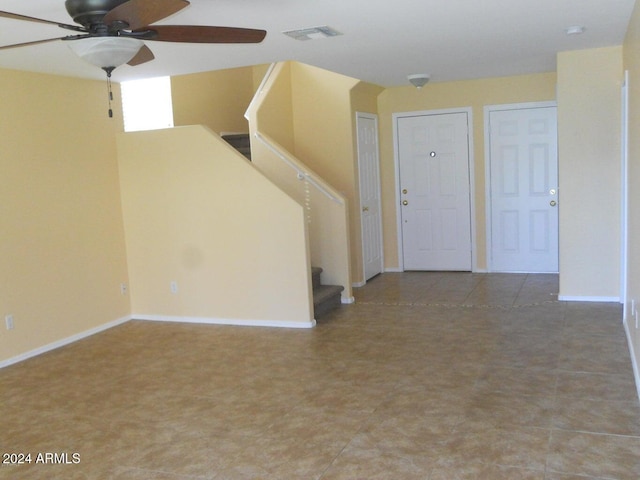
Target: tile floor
{"points": [[434, 376]]}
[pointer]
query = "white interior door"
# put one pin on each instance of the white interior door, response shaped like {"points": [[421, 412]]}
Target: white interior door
{"points": [[370, 204], [433, 157], [524, 189]]}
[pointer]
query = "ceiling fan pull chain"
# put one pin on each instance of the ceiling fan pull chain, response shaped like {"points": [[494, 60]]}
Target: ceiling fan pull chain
{"points": [[109, 89]]}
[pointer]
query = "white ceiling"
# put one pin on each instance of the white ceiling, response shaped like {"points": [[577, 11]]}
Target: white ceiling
{"points": [[383, 41]]}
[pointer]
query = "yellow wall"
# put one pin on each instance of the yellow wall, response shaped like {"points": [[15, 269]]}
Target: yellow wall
{"points": [[324, 135], [277, 111], [199, 214], [271, 121], [216, 99], [589, 83], [322, 124], [632, 64], [472, 93], [259, 72], [62, 244]]}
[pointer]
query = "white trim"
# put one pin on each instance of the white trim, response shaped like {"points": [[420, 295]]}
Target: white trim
{"points": [[394, 269], [472, 175], [348, 300], [624, 220], [472, 190], [225, 321], [260, 90], [522, 106], [358, 284], [487, 162], [584, 298], [634, 358], [374, 117], [63, 342]]}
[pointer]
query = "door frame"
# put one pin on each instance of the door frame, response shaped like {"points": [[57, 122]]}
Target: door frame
{"points": [[487, 164], [374, 117], [624, 234], [471, 160]]}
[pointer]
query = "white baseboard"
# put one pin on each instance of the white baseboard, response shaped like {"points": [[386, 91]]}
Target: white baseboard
{"points": [[358, 284], [348, 300], [225, 321], [61, 343], [393, 270], [580, 298], [634, 358], [157, 318]]}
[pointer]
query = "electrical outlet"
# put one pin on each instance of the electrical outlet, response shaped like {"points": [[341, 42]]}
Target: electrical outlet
{"points": [[8, 320], [174, 287], [124, 289]]}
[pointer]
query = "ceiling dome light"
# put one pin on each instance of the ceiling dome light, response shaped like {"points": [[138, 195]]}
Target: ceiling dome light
{"points": [[106, 52], [419, 80]]}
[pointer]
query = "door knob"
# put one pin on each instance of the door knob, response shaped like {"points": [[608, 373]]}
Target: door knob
{"points": [[404, 202], [553, 203], [405, 191]]}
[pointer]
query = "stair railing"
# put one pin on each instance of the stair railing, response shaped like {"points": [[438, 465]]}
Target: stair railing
{"points": [[301, 174]]}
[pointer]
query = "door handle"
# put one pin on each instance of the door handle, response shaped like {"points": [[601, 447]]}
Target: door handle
{"points": [[365, 209], [553, 203], [404, 202]]}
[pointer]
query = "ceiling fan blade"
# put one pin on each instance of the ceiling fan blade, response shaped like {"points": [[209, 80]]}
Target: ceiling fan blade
{"points": [[16, 16], [140, 13], [35, 42], [144, 55], [206, 34]]}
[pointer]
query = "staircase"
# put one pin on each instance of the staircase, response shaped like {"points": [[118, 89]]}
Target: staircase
{"points": [[239, 141], [325, 297]]}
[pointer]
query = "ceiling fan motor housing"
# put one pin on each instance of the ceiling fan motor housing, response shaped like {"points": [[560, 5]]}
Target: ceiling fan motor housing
{"points": [[90, 12]]}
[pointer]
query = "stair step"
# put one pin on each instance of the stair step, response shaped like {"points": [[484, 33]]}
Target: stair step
{"points": [[239, 141], [326, 298], [315, 276]]}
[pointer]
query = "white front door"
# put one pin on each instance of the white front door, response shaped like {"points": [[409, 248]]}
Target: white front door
{"points": [[524, 190], [370, 202], [433, 157]]}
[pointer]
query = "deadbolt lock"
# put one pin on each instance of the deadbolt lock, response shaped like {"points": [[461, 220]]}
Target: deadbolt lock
{"points": [[553, 203], [405, 191]]}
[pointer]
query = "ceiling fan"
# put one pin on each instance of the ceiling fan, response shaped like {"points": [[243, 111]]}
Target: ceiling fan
{"points": [[110, 33]]}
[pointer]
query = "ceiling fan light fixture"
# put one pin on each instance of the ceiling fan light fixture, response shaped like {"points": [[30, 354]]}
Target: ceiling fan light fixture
{"points": [[106, 52], [419, 80]]}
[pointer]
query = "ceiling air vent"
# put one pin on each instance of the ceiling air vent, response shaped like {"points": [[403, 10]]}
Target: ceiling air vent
{"points": [[313, 33]]}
